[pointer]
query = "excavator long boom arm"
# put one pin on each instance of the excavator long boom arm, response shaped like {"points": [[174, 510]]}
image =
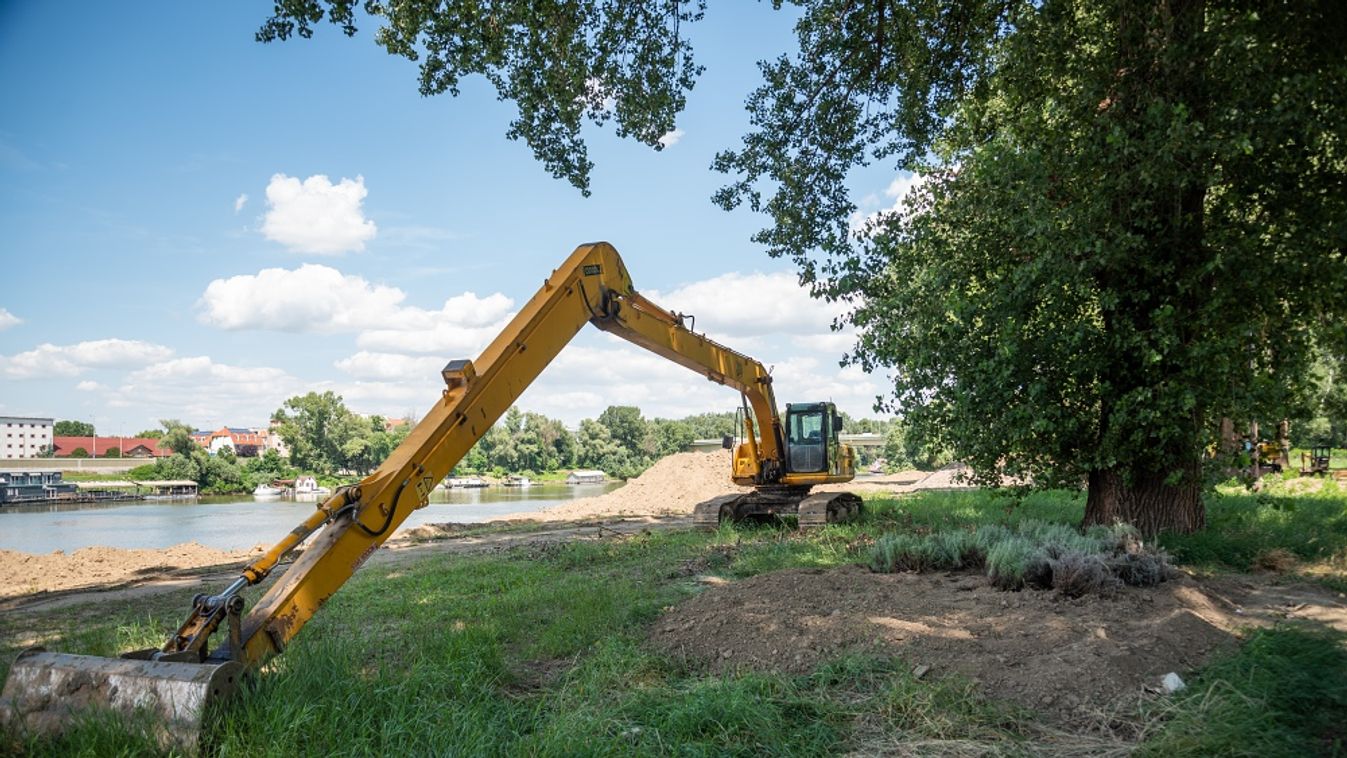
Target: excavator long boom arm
{"points": [[592, 286]]}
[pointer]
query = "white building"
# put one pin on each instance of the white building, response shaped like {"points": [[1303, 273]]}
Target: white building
{"points": [[586, 476], [274, 441], [24, 437]]}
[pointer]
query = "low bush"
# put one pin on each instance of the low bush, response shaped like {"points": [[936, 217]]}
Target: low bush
{"points": [[1034, 554]]}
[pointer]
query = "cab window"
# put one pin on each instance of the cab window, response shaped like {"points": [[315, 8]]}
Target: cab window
{"points": [[806, 428]]}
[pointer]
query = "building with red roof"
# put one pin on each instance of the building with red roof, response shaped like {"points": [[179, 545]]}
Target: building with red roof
{"points": [[244, 440], [98, 447]]}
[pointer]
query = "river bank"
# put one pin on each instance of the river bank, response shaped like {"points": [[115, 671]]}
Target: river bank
{"points": [[51, 551], [627, 637]]}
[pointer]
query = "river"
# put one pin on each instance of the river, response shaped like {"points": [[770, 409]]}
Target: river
{"points": [[240, 521]]}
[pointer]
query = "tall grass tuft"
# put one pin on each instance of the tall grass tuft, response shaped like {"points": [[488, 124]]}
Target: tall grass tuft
{"points": [[1016, 562], [1284, 693], [1035, 554]]}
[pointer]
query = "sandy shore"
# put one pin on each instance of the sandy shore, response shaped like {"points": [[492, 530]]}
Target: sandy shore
{"points": [[671, 487]]}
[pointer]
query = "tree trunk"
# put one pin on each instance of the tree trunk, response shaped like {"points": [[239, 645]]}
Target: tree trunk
{"points": [[1148, 502]]}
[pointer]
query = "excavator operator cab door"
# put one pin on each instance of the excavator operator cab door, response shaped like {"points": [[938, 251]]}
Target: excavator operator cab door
{"points": [[811, 434]]}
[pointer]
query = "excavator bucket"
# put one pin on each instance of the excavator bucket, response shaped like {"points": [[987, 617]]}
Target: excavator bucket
{"points": [[47, 692]]}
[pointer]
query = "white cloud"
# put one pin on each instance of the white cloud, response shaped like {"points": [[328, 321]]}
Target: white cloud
{"points": [[47, 360], [88, 386], [465, 325], [863, 224], [584, 380], [203, 392], [311, 298], [768, 316], [835, 342], [316, 298], [902, 186], [316, 216], [240, 201], [8, 319], [671, 138], [366, 365], [735, 305], [401, 348]]}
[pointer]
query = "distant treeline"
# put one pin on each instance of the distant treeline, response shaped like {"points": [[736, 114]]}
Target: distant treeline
{"points": [[623, 443]]}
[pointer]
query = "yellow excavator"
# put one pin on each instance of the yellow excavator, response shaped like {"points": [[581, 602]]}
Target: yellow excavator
{"points": [[780, 460]]}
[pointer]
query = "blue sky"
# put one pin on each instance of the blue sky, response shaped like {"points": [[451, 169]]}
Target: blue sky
{"points": [[142, 284]]}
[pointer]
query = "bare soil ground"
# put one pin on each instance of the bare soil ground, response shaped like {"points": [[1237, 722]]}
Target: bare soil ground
{"points": [[1081, 661], [670, 488], [673, 486], [677, 483], [27, 574], [81, 581]]}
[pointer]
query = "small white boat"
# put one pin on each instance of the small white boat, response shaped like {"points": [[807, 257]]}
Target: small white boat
{"points": [[517, 481], [466, 482], [266, 490], [307, 485]]}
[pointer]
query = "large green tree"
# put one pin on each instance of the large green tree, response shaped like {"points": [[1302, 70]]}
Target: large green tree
{"points": [[68, 428], [315, 427], [177, 437], [561, 62], [1130, 212]]}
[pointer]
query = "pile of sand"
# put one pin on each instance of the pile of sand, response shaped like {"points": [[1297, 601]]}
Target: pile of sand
{"points": [[677, 483], [27, 574], [1072, 659], [671, 487]]}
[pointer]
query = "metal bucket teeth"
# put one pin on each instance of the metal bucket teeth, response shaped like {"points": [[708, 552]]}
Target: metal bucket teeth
{"points": [[45, 692]]}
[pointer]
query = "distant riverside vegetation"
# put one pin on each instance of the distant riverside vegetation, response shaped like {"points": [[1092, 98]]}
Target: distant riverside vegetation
{"points": [[327, 439], [324, 437]]}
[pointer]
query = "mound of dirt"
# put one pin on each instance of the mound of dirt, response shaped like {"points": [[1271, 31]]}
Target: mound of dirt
{"points": [[27, 573], [1073, 660], [671, 487]]}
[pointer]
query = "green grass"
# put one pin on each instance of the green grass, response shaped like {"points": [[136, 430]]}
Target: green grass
{"points": [[538, 651], [1284, 693], [1337, 457], [1241, 527], [1032, 553]]}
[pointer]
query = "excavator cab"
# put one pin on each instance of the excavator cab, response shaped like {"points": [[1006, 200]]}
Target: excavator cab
{"points": [[813, 455], [811, 436], [44, 691]]}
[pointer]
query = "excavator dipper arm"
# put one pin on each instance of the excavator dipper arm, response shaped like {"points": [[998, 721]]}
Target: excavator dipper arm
{"points": [[591, 286]]}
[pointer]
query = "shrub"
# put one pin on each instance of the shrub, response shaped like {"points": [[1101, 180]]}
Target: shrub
{"points": [[1034, 554], [1076, 574], [1013, 561]]}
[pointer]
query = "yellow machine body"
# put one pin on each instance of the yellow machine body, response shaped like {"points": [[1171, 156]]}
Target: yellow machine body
{"points": [[592, 286]]}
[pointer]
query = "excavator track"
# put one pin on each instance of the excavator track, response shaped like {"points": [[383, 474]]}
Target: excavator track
{"points": [[592, 286], [709, 514], [829, 508], [813, 511]]}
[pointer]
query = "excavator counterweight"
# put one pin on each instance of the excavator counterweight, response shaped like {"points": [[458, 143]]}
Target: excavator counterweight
{"points": [[781, 459]]}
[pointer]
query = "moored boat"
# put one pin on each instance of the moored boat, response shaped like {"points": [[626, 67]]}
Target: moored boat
{"points": [[466, 482], [307, 485]]}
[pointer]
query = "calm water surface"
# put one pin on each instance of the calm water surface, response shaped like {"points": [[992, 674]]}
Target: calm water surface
{"points": [[240, 521]]}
